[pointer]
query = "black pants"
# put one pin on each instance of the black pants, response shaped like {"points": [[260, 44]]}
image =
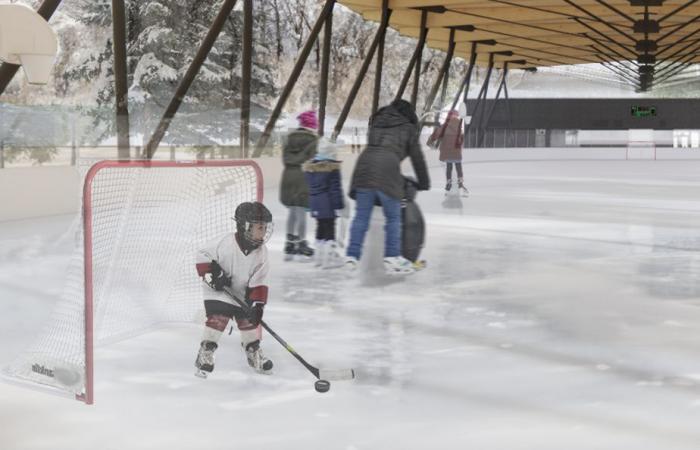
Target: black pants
{"points": [[458, 166], [325, 229]]}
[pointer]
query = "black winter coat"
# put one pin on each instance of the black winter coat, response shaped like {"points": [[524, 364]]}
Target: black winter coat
{"points": [[301, 145], [393, 135]]}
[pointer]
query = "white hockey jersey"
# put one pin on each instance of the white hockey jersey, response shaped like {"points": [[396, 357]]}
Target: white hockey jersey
{"points": [[246, 271]]}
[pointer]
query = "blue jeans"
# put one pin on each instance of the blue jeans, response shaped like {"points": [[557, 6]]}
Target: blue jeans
{"points": [[365, 199]]}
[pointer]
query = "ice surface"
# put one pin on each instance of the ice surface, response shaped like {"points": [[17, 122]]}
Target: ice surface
{"points": [[559, 310]]}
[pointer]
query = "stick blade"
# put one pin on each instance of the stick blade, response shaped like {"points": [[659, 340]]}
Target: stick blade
{"points": [[338, 374]]}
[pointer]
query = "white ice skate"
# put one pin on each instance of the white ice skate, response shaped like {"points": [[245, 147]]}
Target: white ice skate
{"points": [[320, 253], [205, 359], [256, 359], [351, 264], [398, 265], [332, 258], [419, 264], [463, 191]]}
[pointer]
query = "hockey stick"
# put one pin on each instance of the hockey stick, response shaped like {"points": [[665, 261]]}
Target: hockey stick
{"points": [[321, 374]]}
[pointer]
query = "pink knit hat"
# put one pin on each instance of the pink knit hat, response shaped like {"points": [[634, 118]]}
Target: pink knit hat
{"points": [[308, 119]]}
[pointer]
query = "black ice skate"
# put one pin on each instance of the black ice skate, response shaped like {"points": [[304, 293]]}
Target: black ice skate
{"points": [[290, 247], [448, 187], [304, 252], [205, 359], [256, 359]]}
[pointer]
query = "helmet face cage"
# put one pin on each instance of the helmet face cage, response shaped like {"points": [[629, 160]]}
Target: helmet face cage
{"points": [[256, 238]]}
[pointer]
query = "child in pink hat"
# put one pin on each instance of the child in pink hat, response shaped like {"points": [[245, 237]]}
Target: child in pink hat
{"points": [[308, 120], [300, 146]]}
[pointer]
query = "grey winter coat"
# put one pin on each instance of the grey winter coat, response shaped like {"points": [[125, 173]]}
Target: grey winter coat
{"points": [[300, 146], [393, 135]]}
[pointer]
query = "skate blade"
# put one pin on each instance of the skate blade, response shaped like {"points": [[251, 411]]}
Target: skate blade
{"points": [[201, 374], [419, 265], [401, 273]]}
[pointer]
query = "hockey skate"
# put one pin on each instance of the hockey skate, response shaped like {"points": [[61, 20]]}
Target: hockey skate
{"points": [[398, 265], [205, 359], [290, 247], [304, 252], [256, 359]]}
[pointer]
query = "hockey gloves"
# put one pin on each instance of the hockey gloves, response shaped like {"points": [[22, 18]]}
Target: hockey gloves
{"points": [[215, 277], [256, 313]]}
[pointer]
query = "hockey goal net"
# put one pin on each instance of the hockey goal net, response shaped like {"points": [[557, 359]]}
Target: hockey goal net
{"points": [[142, 223], [641, 150]]}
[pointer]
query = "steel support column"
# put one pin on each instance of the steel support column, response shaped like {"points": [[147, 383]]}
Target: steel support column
{"points": [[411, 64], [442, 76], [419, 57], [464, 85], [187, 80], [510, 115], [121, 84], [360, 77], [380, 60], [482, 94], [246, 75], [325, 66], [495, 102], [294, 76]]}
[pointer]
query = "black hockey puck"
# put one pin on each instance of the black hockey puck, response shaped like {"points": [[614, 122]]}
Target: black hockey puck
{"points": [[322, 386]]}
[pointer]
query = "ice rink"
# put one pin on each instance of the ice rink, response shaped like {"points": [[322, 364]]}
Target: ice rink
{"points": [[560, 310]]}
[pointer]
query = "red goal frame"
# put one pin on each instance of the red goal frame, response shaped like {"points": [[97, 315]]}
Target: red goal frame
{"points": [[88, 397]]}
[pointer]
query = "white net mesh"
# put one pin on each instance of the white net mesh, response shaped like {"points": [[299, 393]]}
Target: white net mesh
{"points": [[147, 224]]}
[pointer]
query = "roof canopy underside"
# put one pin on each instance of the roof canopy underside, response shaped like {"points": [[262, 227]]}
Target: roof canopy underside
{"points": [[643, 41]]}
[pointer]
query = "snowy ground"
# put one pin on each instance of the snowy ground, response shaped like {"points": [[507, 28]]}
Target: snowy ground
{"points": [[560, 310]]}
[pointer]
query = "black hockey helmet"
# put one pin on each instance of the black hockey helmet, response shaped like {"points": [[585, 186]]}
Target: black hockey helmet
{"points": [[247, 216]]}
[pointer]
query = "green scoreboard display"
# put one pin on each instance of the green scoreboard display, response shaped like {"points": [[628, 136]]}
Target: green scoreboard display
{"points": [[643, 111]]}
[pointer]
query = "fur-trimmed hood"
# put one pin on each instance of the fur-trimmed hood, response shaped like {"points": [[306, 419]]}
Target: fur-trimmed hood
{"points": [[323, 165]]}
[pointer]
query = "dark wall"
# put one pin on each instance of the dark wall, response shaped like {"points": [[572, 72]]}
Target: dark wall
{"points": [[593, 114]]}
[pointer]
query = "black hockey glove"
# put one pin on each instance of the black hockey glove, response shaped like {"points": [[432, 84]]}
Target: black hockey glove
{"points": [[215, 278], [256, 313]]}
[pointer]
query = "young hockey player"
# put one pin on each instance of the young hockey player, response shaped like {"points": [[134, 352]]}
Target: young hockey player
{"points": [[239, 262]]}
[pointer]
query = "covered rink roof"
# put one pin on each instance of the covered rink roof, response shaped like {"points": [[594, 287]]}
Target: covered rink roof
{"points": [[644, 42]]}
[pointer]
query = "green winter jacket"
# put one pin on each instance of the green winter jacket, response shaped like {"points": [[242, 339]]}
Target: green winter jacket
{"points": [[300, 146]]}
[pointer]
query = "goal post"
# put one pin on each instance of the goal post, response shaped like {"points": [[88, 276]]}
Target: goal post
{"points": [[142, 224]]}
